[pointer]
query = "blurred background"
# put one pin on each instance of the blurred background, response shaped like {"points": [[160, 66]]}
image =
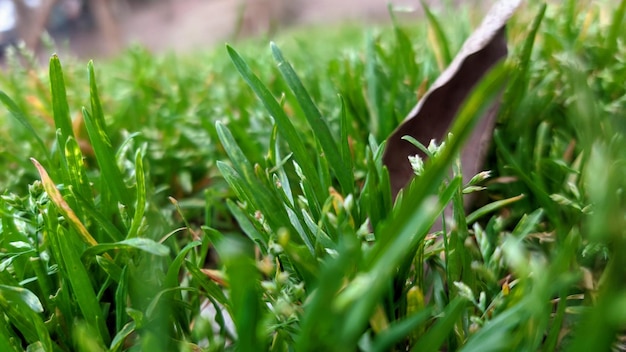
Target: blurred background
{"points": [[101, 28]]}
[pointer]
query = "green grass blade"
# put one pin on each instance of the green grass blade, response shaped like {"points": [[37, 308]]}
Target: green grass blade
{"points": [[89, 210], [457, 256], [43, 279], [537, 190], [364, 293], [76, 170], [496, 334], [21, 323], [344, 141], [556, 327], [516, 90], [144, 244], [234, 180], [121, 296], [247, 227], [331, 278], [438, 40], [615, 30], [404, 45], [110, 268], [140, 204], [491, 207], [118, 341], [171, 278], [279, 162], [79, 279], [437, 334], [237, 255], [20, 294], [96, 129], [6, 338], [286, 128], [374, 90], [239, 160], [60, 107], [375, 198], [309, 194], [414, 216], [316, 122], [163, 297], [246, 184], [19, 115], [527, 224], [527, 49], [399, 330], [209, 286], [29, 307]]}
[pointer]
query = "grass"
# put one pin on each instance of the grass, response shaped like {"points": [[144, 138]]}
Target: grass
{"points": [[236, 199]]}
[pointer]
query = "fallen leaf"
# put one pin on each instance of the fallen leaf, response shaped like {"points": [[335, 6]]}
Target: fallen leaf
{"points": [[432, 117]]}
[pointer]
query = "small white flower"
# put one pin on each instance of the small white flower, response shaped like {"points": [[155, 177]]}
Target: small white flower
{"points": [[433, 148], [465, 291], [417, 164], [348, 203], [480, 177]]}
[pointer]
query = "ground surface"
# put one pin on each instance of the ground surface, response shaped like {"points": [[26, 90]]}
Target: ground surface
{"points": [[183, 25]]}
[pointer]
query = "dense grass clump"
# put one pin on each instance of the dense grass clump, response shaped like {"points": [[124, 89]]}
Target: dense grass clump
{"points": [[236, 199]]}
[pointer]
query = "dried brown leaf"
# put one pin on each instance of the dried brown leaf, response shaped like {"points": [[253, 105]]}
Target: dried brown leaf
{"points": [[62, 205], [432, 117]]}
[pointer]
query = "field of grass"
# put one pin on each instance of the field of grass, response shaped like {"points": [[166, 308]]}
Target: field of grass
{"points": [[236, 199]]}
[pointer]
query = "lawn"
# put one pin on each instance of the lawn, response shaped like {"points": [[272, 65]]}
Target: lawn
{"points": [[237, 199]]}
